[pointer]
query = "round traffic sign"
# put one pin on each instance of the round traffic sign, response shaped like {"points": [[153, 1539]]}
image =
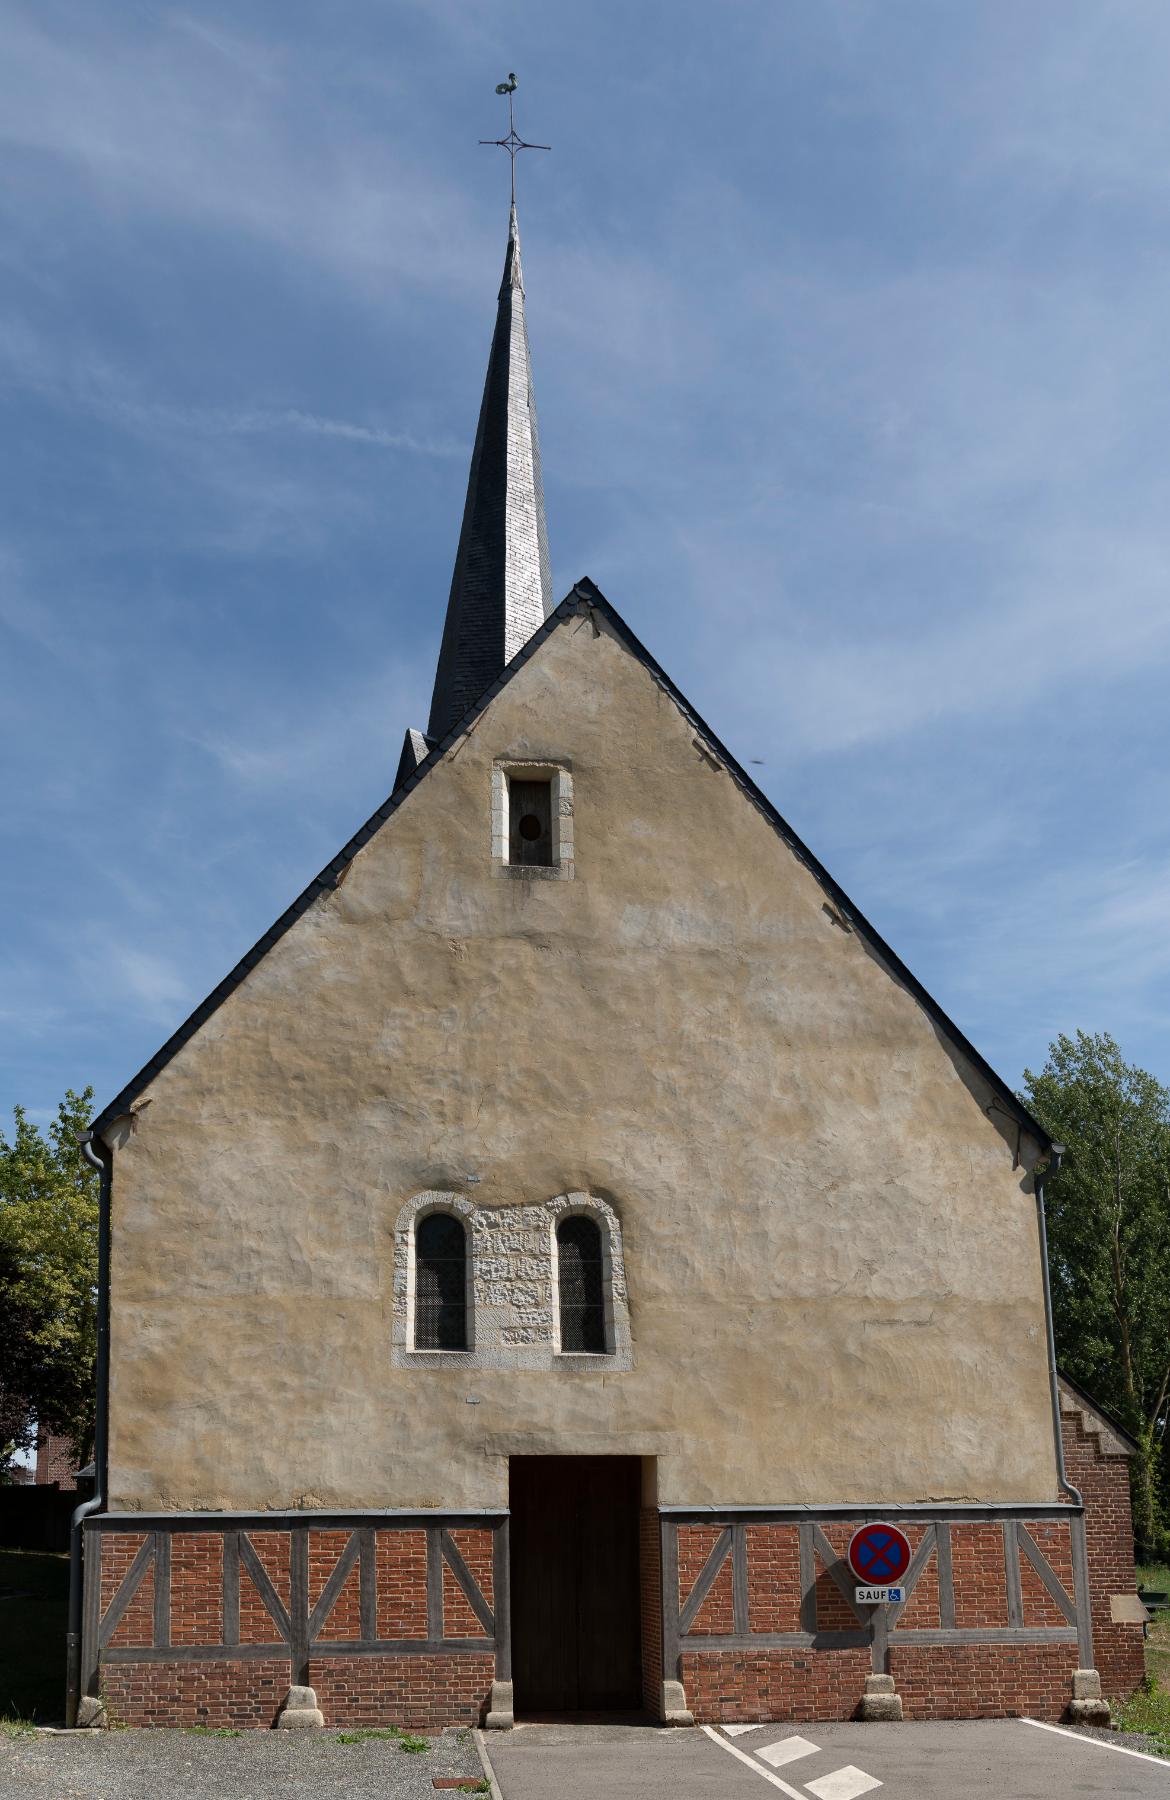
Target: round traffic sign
{"points": [[879, 1554]]}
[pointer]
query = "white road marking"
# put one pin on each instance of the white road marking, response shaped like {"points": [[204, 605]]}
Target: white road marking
{"points": [[738, 1730], [1163, 1762], [789, 1749], [764, 1774], [843, 1784]]}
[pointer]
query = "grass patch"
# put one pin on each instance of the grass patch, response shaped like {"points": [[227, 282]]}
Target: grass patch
{"points": [[1149, 1713], [414, 1746], [1157, 1575], [17, 1728], [34, 1585]]}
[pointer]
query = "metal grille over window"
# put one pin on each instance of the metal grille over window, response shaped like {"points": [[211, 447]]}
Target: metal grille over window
{"points": [[582, 1284], [530, 820], [440, 1284]]}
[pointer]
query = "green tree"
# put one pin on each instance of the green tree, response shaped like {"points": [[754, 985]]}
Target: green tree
{"points": [[1109, 1243], [48, 1280]]}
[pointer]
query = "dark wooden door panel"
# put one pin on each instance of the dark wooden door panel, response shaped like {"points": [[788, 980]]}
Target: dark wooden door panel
{"points": [[575, 1605]]}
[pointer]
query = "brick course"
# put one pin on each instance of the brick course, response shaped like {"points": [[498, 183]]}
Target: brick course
{"points": [[983, 1681], [759, 1685], [239, 1694], [416, 1693]]}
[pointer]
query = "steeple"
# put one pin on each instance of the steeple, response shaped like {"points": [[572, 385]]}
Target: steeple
{"points": [[501, 590]]}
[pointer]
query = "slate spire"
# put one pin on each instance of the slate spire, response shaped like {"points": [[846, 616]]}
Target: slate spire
{"points": [[501, 590]]}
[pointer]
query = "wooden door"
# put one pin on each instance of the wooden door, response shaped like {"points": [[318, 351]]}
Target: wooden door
{"points": [[576, 1643]]}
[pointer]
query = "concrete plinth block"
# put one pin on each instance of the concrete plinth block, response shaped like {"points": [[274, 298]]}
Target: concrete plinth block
{"points": [[91, 1712], [880, 1702], [1088, 1712], [1086, 1706], [500, 1716], [300, 1711], [675, 1710]]}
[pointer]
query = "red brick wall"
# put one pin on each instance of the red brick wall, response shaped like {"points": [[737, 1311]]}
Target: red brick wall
{"points": [[759, 1685], [239, 1694], [1054, 1541], [983, 1681], [695, 1543], [273, 1550], [459, 1619], [833, 1610], [136, 1626], [56, 1462], [1104, 1482], [922, 1611], [977, 1559], [650, 1576], [402, 1584], [196, 1587], [344, 1621], [416, 1693], [773, 1577]]}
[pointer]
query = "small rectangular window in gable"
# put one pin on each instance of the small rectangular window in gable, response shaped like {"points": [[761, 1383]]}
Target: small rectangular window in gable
{"points": [[530, 839]]}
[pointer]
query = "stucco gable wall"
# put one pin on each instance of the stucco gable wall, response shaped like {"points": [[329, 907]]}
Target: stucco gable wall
{"points": [[834, 1276]]}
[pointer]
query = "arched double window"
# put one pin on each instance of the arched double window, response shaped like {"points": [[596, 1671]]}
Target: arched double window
{"points": [[440, 1283], [581, 1282]]}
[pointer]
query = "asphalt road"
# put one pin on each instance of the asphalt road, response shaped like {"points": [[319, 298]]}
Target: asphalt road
{"points": [[994, 1759]]}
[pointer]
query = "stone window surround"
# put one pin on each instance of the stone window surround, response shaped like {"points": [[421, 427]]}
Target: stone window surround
{"points": [[495, 1339], [559, 774], [456, 1207], [584, 1206]]}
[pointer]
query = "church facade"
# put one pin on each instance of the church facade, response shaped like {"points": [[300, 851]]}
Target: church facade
{"points": [[568, 1223]]}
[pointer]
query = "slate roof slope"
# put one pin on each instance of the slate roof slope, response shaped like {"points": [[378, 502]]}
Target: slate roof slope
{"points": [[586, 598], [501, 590]]}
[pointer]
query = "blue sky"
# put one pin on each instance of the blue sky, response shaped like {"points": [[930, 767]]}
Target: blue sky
{"points": [[849, 327]]}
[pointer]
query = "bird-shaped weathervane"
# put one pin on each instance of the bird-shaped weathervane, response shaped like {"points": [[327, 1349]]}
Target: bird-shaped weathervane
{"points": [[513, 143]]}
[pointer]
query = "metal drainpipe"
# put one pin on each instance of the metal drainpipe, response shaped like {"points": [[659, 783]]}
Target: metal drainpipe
{"points": [[99, 1157], [1053, 1168]]}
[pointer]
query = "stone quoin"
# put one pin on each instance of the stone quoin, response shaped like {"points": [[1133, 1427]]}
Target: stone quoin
{"points": [[562, 1230]]}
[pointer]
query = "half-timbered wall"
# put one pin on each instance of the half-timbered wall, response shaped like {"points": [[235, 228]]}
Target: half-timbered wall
{"points": [[392, 1622], [764, 1624]]}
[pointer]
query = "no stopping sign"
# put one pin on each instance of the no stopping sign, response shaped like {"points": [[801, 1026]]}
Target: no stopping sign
{"points": [[879, 1554]]}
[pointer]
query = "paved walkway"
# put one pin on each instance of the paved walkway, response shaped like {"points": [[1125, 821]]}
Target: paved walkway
{"points": [[992, 1759]]}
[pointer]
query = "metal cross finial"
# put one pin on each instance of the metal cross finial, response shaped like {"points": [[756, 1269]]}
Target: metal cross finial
{"points": [[513, 142]]}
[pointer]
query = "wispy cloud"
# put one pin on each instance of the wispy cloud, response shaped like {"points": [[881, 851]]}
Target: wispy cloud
{"points": [[89, 383]]}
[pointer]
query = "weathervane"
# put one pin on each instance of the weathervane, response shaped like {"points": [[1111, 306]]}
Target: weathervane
{"points": [[513, 142]]}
